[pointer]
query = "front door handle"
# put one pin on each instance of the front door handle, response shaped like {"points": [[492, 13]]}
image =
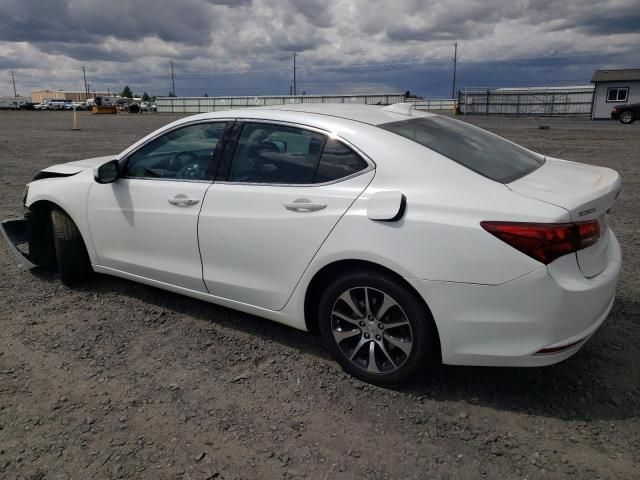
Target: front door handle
{"points": [[182, 201], [302, 205]]}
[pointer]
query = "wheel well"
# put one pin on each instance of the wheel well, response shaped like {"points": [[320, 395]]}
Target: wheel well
{"points": [[41, 249], [333, 270], [41, 245], [41, 211]]}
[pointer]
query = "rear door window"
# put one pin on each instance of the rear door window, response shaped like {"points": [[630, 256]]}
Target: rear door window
{"points": [[478, 150], [276, 154]]}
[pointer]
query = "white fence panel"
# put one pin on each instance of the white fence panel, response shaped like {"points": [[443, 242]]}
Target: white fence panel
{"points": [[436, 104], [212, 104], [549, 102]]}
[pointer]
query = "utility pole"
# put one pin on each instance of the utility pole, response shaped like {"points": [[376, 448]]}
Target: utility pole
{"points": [[173, 80], [84, 75], [13, 79], [455, 66], [295, 89]]}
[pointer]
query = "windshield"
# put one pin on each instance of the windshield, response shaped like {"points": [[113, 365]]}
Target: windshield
{"points": [[484, 153]]}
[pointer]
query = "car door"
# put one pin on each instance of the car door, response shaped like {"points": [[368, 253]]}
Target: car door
{"points": [[280, 191], [146, 223]]}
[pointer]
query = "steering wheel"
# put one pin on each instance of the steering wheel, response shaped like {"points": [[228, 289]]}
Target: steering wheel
{"points": [[191, 171], [182, 159]]}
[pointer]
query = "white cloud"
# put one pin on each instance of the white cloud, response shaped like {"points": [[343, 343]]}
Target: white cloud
{"points": [[131, 42]]}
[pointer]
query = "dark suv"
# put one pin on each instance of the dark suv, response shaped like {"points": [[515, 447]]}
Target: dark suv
{"points": [[626, 113]]}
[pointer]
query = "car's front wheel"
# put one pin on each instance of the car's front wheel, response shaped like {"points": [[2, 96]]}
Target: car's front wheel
{"points": [[377, 328], [71, 253], [627, 117]]}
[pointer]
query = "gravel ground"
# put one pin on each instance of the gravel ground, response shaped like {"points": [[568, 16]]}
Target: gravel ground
{"points": [[119, 380]]}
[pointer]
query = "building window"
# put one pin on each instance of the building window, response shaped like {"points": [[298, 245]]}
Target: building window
{"points": [[617, 94]]}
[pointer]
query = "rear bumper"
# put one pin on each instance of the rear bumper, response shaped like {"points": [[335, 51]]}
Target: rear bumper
{"points": [[539, 319], [15, 232]]}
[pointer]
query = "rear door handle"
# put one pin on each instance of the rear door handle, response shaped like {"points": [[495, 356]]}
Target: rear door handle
{"points": [[182, 201], [302, 205]]}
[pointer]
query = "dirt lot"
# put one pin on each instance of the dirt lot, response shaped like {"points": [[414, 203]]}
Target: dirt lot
{"points": [[120, 380]]}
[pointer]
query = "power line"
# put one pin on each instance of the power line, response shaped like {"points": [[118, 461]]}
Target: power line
{"points": [[307, 69], [455, 66], [232, 72], [86, 88], [311, 67], [173, 80], [295, 87], [266, 86], [344, 83], [304, 68]]}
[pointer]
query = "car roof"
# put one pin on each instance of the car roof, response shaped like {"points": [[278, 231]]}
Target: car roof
{"points": [[369, 114]]}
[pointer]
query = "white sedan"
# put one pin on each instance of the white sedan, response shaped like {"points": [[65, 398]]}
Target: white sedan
{"points": [[403, 237]]}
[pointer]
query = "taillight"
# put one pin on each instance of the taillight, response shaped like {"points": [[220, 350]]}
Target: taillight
{"points": [[545, 241]]}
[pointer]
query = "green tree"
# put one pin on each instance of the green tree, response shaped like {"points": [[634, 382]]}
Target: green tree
{"points": [[126, 92], [145, 97]]}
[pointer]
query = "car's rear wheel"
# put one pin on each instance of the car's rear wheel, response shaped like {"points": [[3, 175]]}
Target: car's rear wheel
{"points": [[627, 117], [377, 329], [71, 253]]}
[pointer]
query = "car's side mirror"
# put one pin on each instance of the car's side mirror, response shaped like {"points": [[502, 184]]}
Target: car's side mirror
{"points": [[108, 172]]}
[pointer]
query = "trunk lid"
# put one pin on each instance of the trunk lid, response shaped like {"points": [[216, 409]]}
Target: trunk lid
{"points": [[585, 191]]}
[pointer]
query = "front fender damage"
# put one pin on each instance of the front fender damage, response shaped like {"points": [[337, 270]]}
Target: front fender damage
{"points": [[30, 238], [16, 233]]}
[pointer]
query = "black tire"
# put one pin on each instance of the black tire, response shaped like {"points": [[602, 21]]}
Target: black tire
{"points": [[40, 233], [420, 330], [71, 253], [627, 117]]}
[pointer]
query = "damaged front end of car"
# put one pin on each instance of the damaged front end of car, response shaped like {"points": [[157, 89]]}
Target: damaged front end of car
{"points": [[30, 238]]}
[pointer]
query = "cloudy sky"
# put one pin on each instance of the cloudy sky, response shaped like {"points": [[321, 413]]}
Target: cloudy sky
{"points": [[244, 47]]}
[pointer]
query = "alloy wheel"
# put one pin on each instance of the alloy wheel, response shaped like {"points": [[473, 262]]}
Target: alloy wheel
{"points": [[371, 330]]}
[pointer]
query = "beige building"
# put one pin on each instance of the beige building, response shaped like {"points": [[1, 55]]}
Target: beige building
{"points": [[41, 95]]}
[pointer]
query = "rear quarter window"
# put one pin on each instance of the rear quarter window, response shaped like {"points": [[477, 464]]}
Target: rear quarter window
{"points": [[478, 150], [338, 161]]}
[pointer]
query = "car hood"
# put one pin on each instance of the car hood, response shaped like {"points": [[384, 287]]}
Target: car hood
{"points": [[626, 105], [71, 168]]}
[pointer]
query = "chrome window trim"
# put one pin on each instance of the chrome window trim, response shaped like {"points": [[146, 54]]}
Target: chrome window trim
{"points": [[258, 184], [371, 165], [160, 179], [123, 161]]}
